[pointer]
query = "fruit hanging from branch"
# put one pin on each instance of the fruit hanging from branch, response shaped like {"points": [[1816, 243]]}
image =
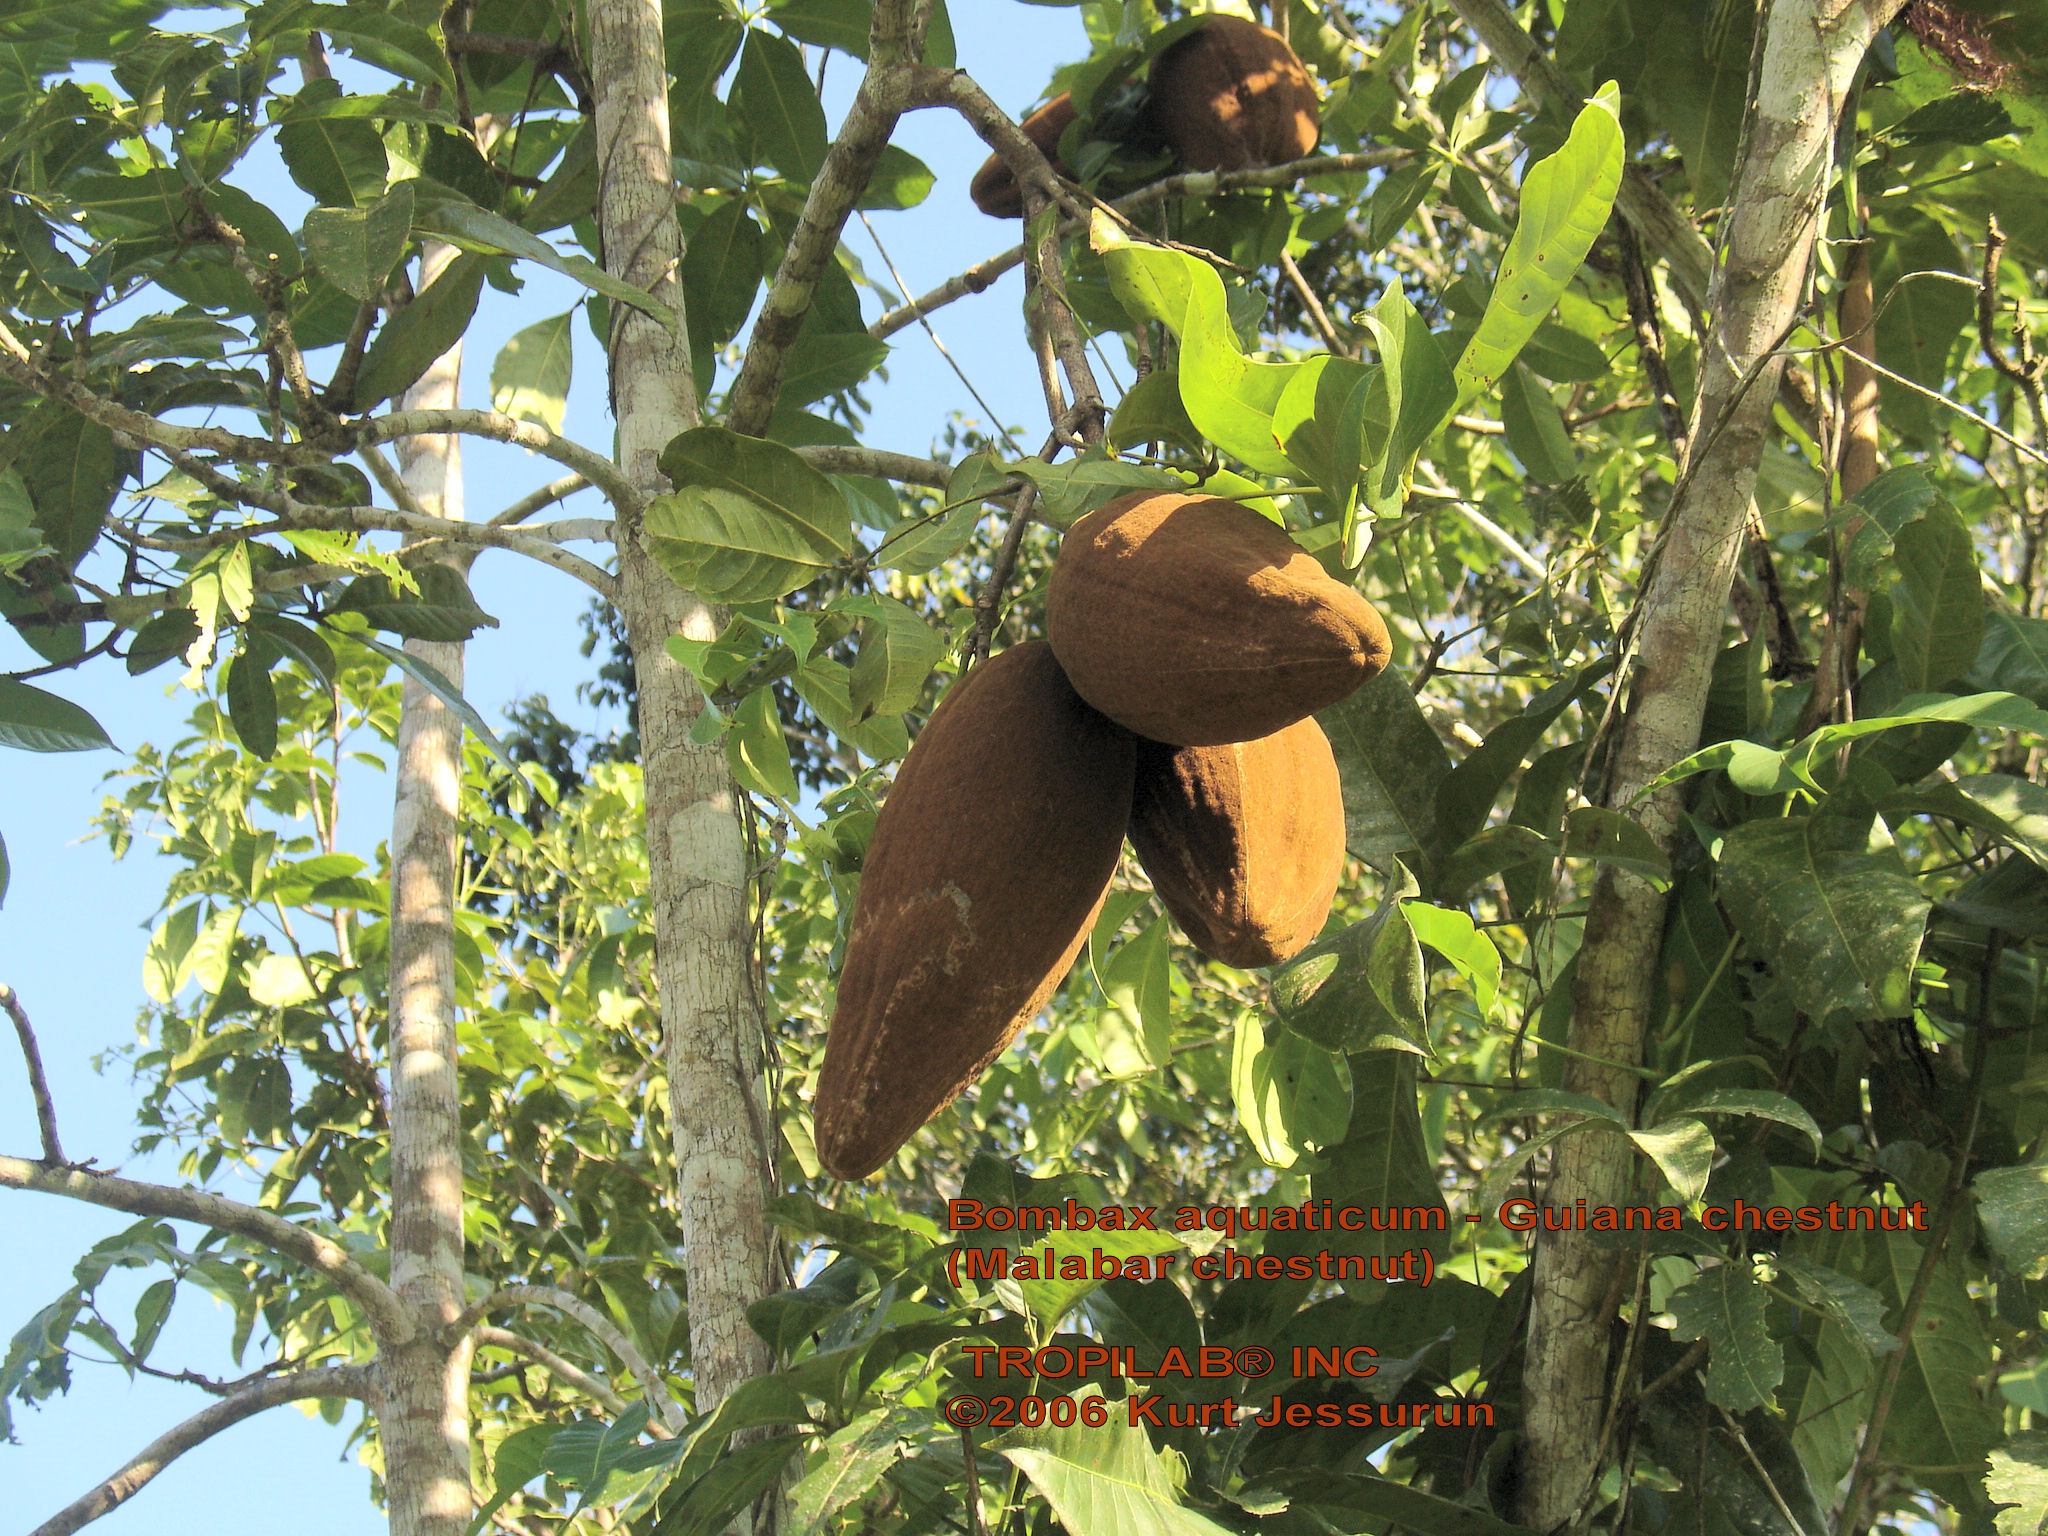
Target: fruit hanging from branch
{"points": [[1195, 621], [1224, 95], [1244, 842], [986, 868]]}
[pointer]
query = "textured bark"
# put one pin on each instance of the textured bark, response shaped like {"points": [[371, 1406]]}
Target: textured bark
{"points": [[696, 843], [1810, 54], [423, 1414]]}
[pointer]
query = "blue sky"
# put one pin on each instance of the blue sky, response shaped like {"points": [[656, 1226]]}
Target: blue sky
{"points": [[75, 923]]}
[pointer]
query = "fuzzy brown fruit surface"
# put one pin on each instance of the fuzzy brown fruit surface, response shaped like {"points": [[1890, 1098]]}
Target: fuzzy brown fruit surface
{"points": [[1231, 96], [1195, 621], [987, 864], [994, 189], [1244, 842]]}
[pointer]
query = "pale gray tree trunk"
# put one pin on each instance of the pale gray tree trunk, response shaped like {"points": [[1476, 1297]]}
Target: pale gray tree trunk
{"points": [[1810, 54], [697, 849], [423, 1417]]}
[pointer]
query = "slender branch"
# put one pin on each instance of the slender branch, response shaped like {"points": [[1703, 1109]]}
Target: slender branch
{"points": [[390, 1318], [539, 501], [606, 1332], [564, 1372], [989, 599], [594, 467], [900, 467], [386, 475], [1317, 315], [38, 1084], [849, 163], [981, 276], [347, 1381], [2027, 373]]}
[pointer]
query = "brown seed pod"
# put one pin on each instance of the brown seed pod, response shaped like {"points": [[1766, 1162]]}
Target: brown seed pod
{"points": [[1195, 621], [1244, 842], [994, 189], [987, 864], [1231, 95]]}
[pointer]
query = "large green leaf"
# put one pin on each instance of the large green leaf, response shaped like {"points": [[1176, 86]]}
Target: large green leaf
{"points": [[530, 379], [1826, 899], [1381, 1166], [338, 161], [1107, 1481], [356, 248], [2014, 656], [748, 520], [476, 229], [1391, 761], [1565, 201], [2012, 1203], [824, 363], [1411, 396], [1361, 989], [854, 1457], [722, 272], [898, 650], [1728, 1308], [36, 721], [1937, 621], [374, 35], [441, 609], [774, 97], [1939, 1419], [1386, 1503], [2019, 1480], [1134, 1034], [411, 339], [1292, 1095]]}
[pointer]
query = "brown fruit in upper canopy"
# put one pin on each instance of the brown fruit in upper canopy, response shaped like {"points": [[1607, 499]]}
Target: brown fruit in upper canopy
{"points": [[1232, 96], [994, 189], [1244, 842], [1195, 621], [986, 868]]}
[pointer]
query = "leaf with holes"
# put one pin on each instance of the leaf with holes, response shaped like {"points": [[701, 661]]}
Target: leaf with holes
{"points": [[1728, 1308]]}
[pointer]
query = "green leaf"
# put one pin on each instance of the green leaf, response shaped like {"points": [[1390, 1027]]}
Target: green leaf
{"points": [[1382, 1165], [356, 248], [2014, 809], [435, 681], [1151, 412], [72, 470], [2014, 656], [899, 180], [824, 363], [734, 1481], [252, 701], [841, 24], [1728, 1308], [758, 750], [1107, 1481], [1387, 1503], [1076, 486], [152, 1310], [854, 1458], [1827, 901], [2018, 1479], [1535, 428], [442, 608], [898, 650], [775, 99], [1565, 202], [475, 229], [749, 519], [2012, 1203], [1413, 394], [722, 272], [1135, 1033], [410, 340], [1292, 1095], [530, 379], [1939, 1418], [1452, 935], [1853, 1306], [1361, 989], [338, 161], [1609, 837], [376, 37], [1683, 1150], [1937, 623], [1391, 761], [36, 721], [1757, 1103]]}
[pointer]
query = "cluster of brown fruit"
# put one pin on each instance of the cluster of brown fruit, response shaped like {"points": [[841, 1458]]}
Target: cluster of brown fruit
{"points": [[1229, 95], [1191, 639]]}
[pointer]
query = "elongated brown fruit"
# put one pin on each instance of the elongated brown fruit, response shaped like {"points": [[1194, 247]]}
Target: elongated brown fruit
{"points": [[986, 867], [994, 189], [1195, 621], [1244, 842], [1230, 96]]}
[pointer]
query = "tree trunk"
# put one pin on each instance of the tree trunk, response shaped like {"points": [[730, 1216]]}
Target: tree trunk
{"points": [[424, 1414], [696, 841], [1811, 51]]}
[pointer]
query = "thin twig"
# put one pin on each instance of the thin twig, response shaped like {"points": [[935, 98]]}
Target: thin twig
{"points": [[1316, 313], [539, 501], [38, 1083], [659, 1402]]}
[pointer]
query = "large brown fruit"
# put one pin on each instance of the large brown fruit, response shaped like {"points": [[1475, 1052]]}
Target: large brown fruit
{"points": [[1195, 621], [994, 189], [986, 867], [1230, 96], [1244, 842]]}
